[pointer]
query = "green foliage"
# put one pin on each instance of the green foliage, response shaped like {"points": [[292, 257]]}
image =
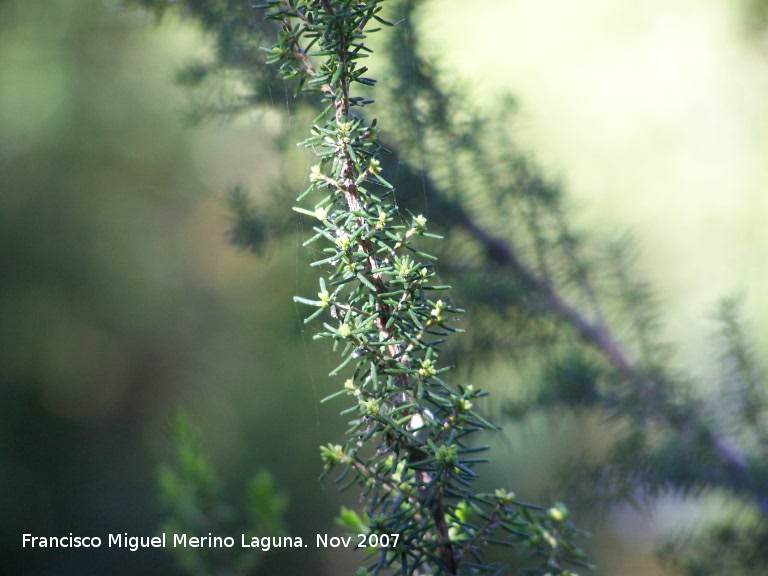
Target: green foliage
{"points": [[756, 15], [237, 63], [191, 496], [735, 547], [409, 445], [742, 382], [248, 229], [568, 308]]}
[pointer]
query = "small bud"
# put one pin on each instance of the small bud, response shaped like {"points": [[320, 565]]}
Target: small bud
{"points": [[427, 369], [315, 174], [370, 407], [558, 512], [343, 241], [503, 496], [403, 266], [551, 540], [437, 311], [345, 330], [447, 454], [463, 405], [374, 166], [334, 454]]}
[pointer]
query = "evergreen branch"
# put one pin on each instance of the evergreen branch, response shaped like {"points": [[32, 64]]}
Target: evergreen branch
{"points": [[417, 421], [547, 298]]}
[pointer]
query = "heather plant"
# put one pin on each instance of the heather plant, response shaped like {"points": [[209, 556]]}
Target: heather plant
{"points": [[565, 307], [410, 447]]}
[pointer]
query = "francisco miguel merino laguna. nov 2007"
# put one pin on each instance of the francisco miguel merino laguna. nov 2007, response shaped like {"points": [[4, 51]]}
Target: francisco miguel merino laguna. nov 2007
{"points": [[265, 543]]}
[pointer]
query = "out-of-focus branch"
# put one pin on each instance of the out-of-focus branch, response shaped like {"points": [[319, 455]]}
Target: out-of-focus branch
{"points": [[654, 391], [545, 298]]}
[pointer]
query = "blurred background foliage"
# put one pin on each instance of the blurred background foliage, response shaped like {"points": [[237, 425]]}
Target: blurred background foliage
{"points": [[121, 298]]}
